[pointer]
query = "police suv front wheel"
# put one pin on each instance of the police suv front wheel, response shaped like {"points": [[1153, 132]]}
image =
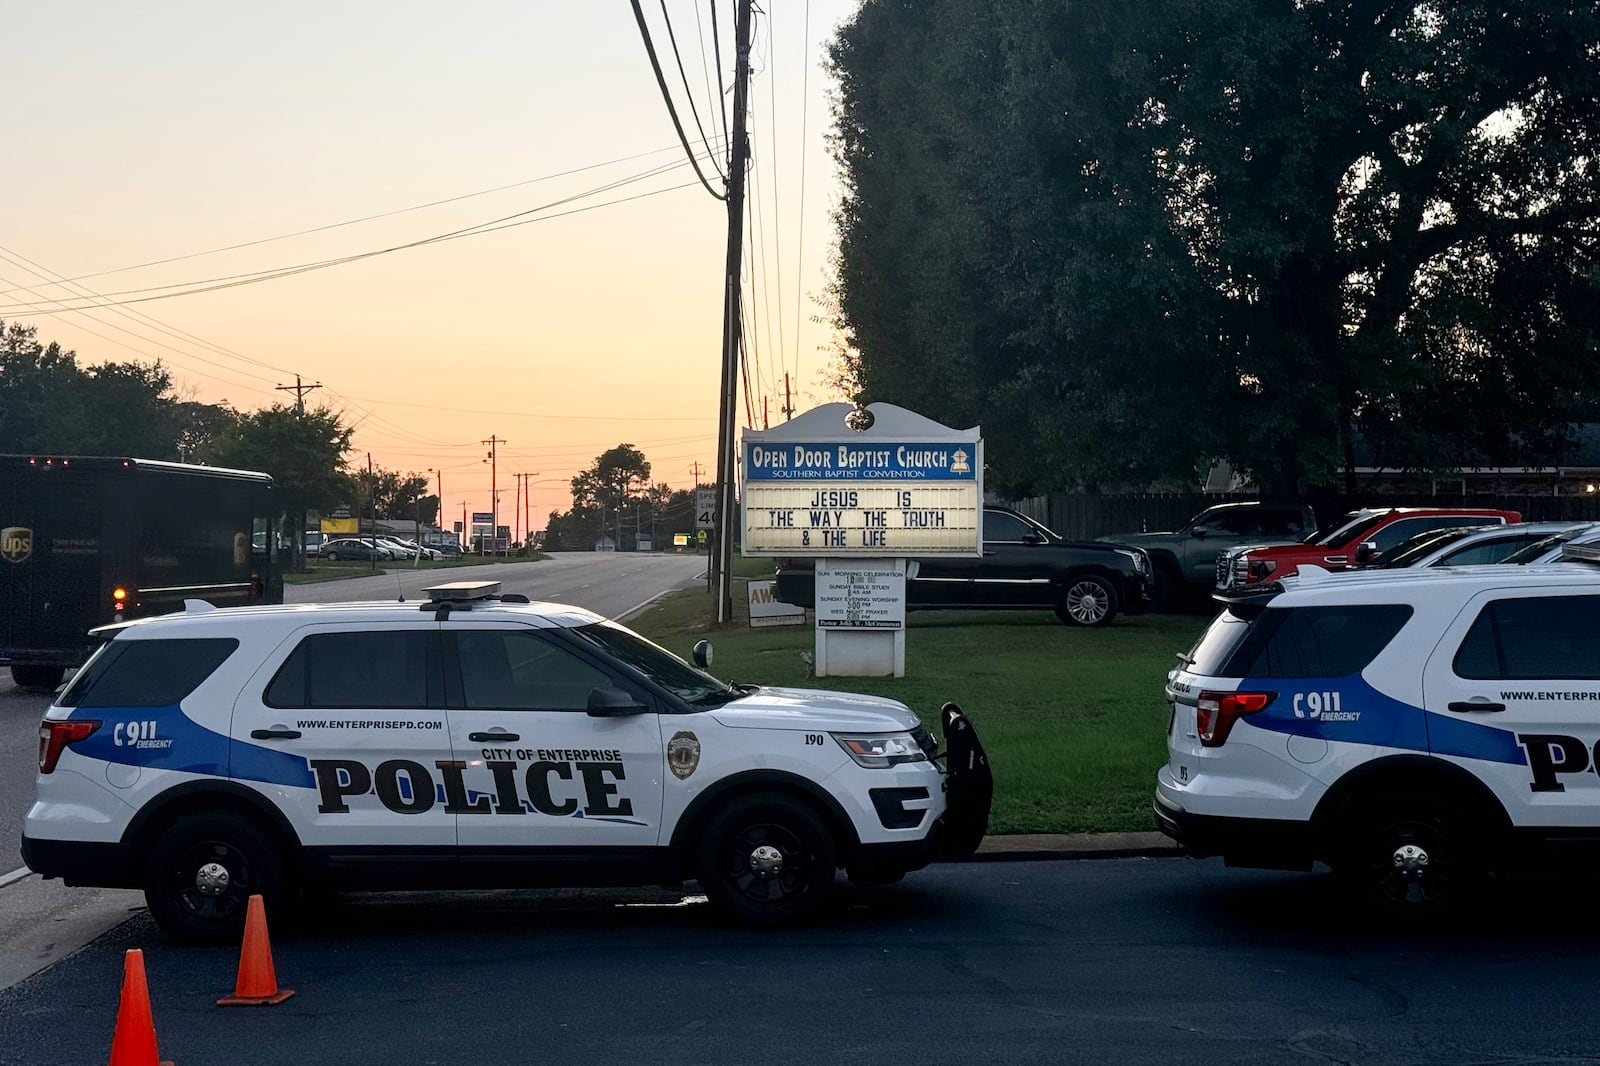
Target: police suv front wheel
{"points": [[202, 871], [766, 859]]}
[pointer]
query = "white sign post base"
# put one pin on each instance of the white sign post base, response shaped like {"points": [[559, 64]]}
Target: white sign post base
{"points": [[861, 618]]}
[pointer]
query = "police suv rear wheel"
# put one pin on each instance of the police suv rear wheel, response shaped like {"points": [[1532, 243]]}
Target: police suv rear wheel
{"points": [[202, 871], [1410, 853], [766, 859]]}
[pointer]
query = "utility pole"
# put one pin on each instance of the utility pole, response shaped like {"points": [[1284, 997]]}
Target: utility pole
{"points": [[766, 423], [738, 163], [372, 510], [439, 510], [298, 539], [492, 459], [299, 391], [516, 511], [697, 473], [788, 404]]}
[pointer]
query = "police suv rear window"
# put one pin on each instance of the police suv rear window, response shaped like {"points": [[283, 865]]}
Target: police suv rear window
{"points": [[146, 673], [378, 670], [1534, 639], [1302, 641]]}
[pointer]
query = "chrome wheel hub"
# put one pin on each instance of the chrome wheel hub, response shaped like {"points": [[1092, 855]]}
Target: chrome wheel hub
{"points": [[1410, 862], [212, 879], [766, 862]]}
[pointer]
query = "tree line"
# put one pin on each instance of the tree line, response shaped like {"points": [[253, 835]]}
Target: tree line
{"points": [[1133, 237], [614, 498], [50, 403]]}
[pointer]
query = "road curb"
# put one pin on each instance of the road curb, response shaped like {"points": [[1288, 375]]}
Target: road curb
{"points": [[1043, 847]]}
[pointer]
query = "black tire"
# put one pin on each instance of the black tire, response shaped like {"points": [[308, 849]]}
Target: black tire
{"points": [[38, 676], [239, 846], [1415, 854], [1087, 600], [806, 854]]}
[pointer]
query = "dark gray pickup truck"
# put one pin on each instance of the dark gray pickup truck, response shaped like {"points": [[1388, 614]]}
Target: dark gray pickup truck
{"points": [[1186, 559]]}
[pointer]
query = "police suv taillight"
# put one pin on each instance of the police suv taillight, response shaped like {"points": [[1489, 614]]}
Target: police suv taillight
{"points": [[54, 737], [1217, 711]]}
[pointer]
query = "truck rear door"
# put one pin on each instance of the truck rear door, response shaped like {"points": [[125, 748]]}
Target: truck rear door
{"points": [[49, 566]]}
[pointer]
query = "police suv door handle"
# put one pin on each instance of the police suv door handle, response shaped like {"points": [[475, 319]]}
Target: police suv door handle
{"points": [[1476, 703], [498, 734], [275, 733]]}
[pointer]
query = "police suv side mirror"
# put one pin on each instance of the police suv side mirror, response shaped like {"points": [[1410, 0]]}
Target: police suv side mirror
{"points": [[702, 653], [1366, 551], [1199, 531], [612, 703], [1033, 537]]}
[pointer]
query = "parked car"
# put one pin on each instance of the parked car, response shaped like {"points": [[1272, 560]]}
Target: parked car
{"points": [[1466, 545], [1024, 566], [335, 550], [1548, 550], [1186, 558], [1361, 537], [411, 547], [314, 540]]}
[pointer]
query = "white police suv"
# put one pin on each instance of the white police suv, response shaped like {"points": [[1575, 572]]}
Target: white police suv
{"points": [[474, 740], [1413, 729]]}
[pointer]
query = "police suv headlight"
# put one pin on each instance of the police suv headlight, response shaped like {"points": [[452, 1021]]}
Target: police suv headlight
{"points": [[879, 750], [1141, 561]]}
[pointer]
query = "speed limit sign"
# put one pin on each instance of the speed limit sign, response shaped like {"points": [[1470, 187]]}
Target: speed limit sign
{"points": [[705, 508]]}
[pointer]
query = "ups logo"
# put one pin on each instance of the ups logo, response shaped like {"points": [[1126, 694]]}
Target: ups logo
{"points": [[16, 543]]}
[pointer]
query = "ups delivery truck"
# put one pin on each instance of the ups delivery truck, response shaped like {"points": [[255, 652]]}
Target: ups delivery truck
{"points": [[89, 540]]}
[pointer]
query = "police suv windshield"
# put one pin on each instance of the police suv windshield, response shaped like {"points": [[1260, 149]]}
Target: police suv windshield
{"points": [[1532, 553], [688, 683], [1409, 551]]}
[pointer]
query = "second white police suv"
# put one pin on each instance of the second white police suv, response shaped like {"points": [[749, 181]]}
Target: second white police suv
{"points": [[475, 739], [1416, 730]]}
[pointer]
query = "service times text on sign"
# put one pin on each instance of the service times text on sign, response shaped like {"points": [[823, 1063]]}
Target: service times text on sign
{"points": [[882, 500]]}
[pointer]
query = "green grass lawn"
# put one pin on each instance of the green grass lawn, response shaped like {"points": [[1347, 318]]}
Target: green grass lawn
{"points": [[319, 570], [1074, 719]]}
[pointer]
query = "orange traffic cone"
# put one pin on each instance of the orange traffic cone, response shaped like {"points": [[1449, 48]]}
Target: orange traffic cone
{"points": [[134, 1042], [257, 985]]}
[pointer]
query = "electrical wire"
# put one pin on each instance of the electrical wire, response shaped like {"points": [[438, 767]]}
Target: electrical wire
{"points": [[364, 218], [666, 96], [769, 72], [722, 96], [688, 93], [800, 234], [18, 310]]}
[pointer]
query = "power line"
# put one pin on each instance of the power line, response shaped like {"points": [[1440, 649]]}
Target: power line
{"points": [[777, 213], [363, 218], [722, 96], [800, 235], [688, 93], [17, 310], [666, 96], [149, 355]]}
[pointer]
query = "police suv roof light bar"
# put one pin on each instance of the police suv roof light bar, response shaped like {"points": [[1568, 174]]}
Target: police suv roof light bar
{"points": [[463, 591], [1580, 553]]}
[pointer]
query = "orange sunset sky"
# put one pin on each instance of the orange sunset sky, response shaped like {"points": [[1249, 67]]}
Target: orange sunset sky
{"points": [[150, 131]]}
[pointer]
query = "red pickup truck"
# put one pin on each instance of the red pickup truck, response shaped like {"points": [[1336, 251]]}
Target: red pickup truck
{"points": [[1354, 539]]}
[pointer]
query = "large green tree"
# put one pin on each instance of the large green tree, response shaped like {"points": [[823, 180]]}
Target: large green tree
{"points": [[303, 450], [1133, 237]]}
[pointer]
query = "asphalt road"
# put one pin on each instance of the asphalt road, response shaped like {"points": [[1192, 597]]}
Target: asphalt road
{"points": [[1108, 961], [606, 583]]}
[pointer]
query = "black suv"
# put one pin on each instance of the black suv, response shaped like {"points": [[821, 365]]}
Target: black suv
{"points": [[1024, 567]]}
